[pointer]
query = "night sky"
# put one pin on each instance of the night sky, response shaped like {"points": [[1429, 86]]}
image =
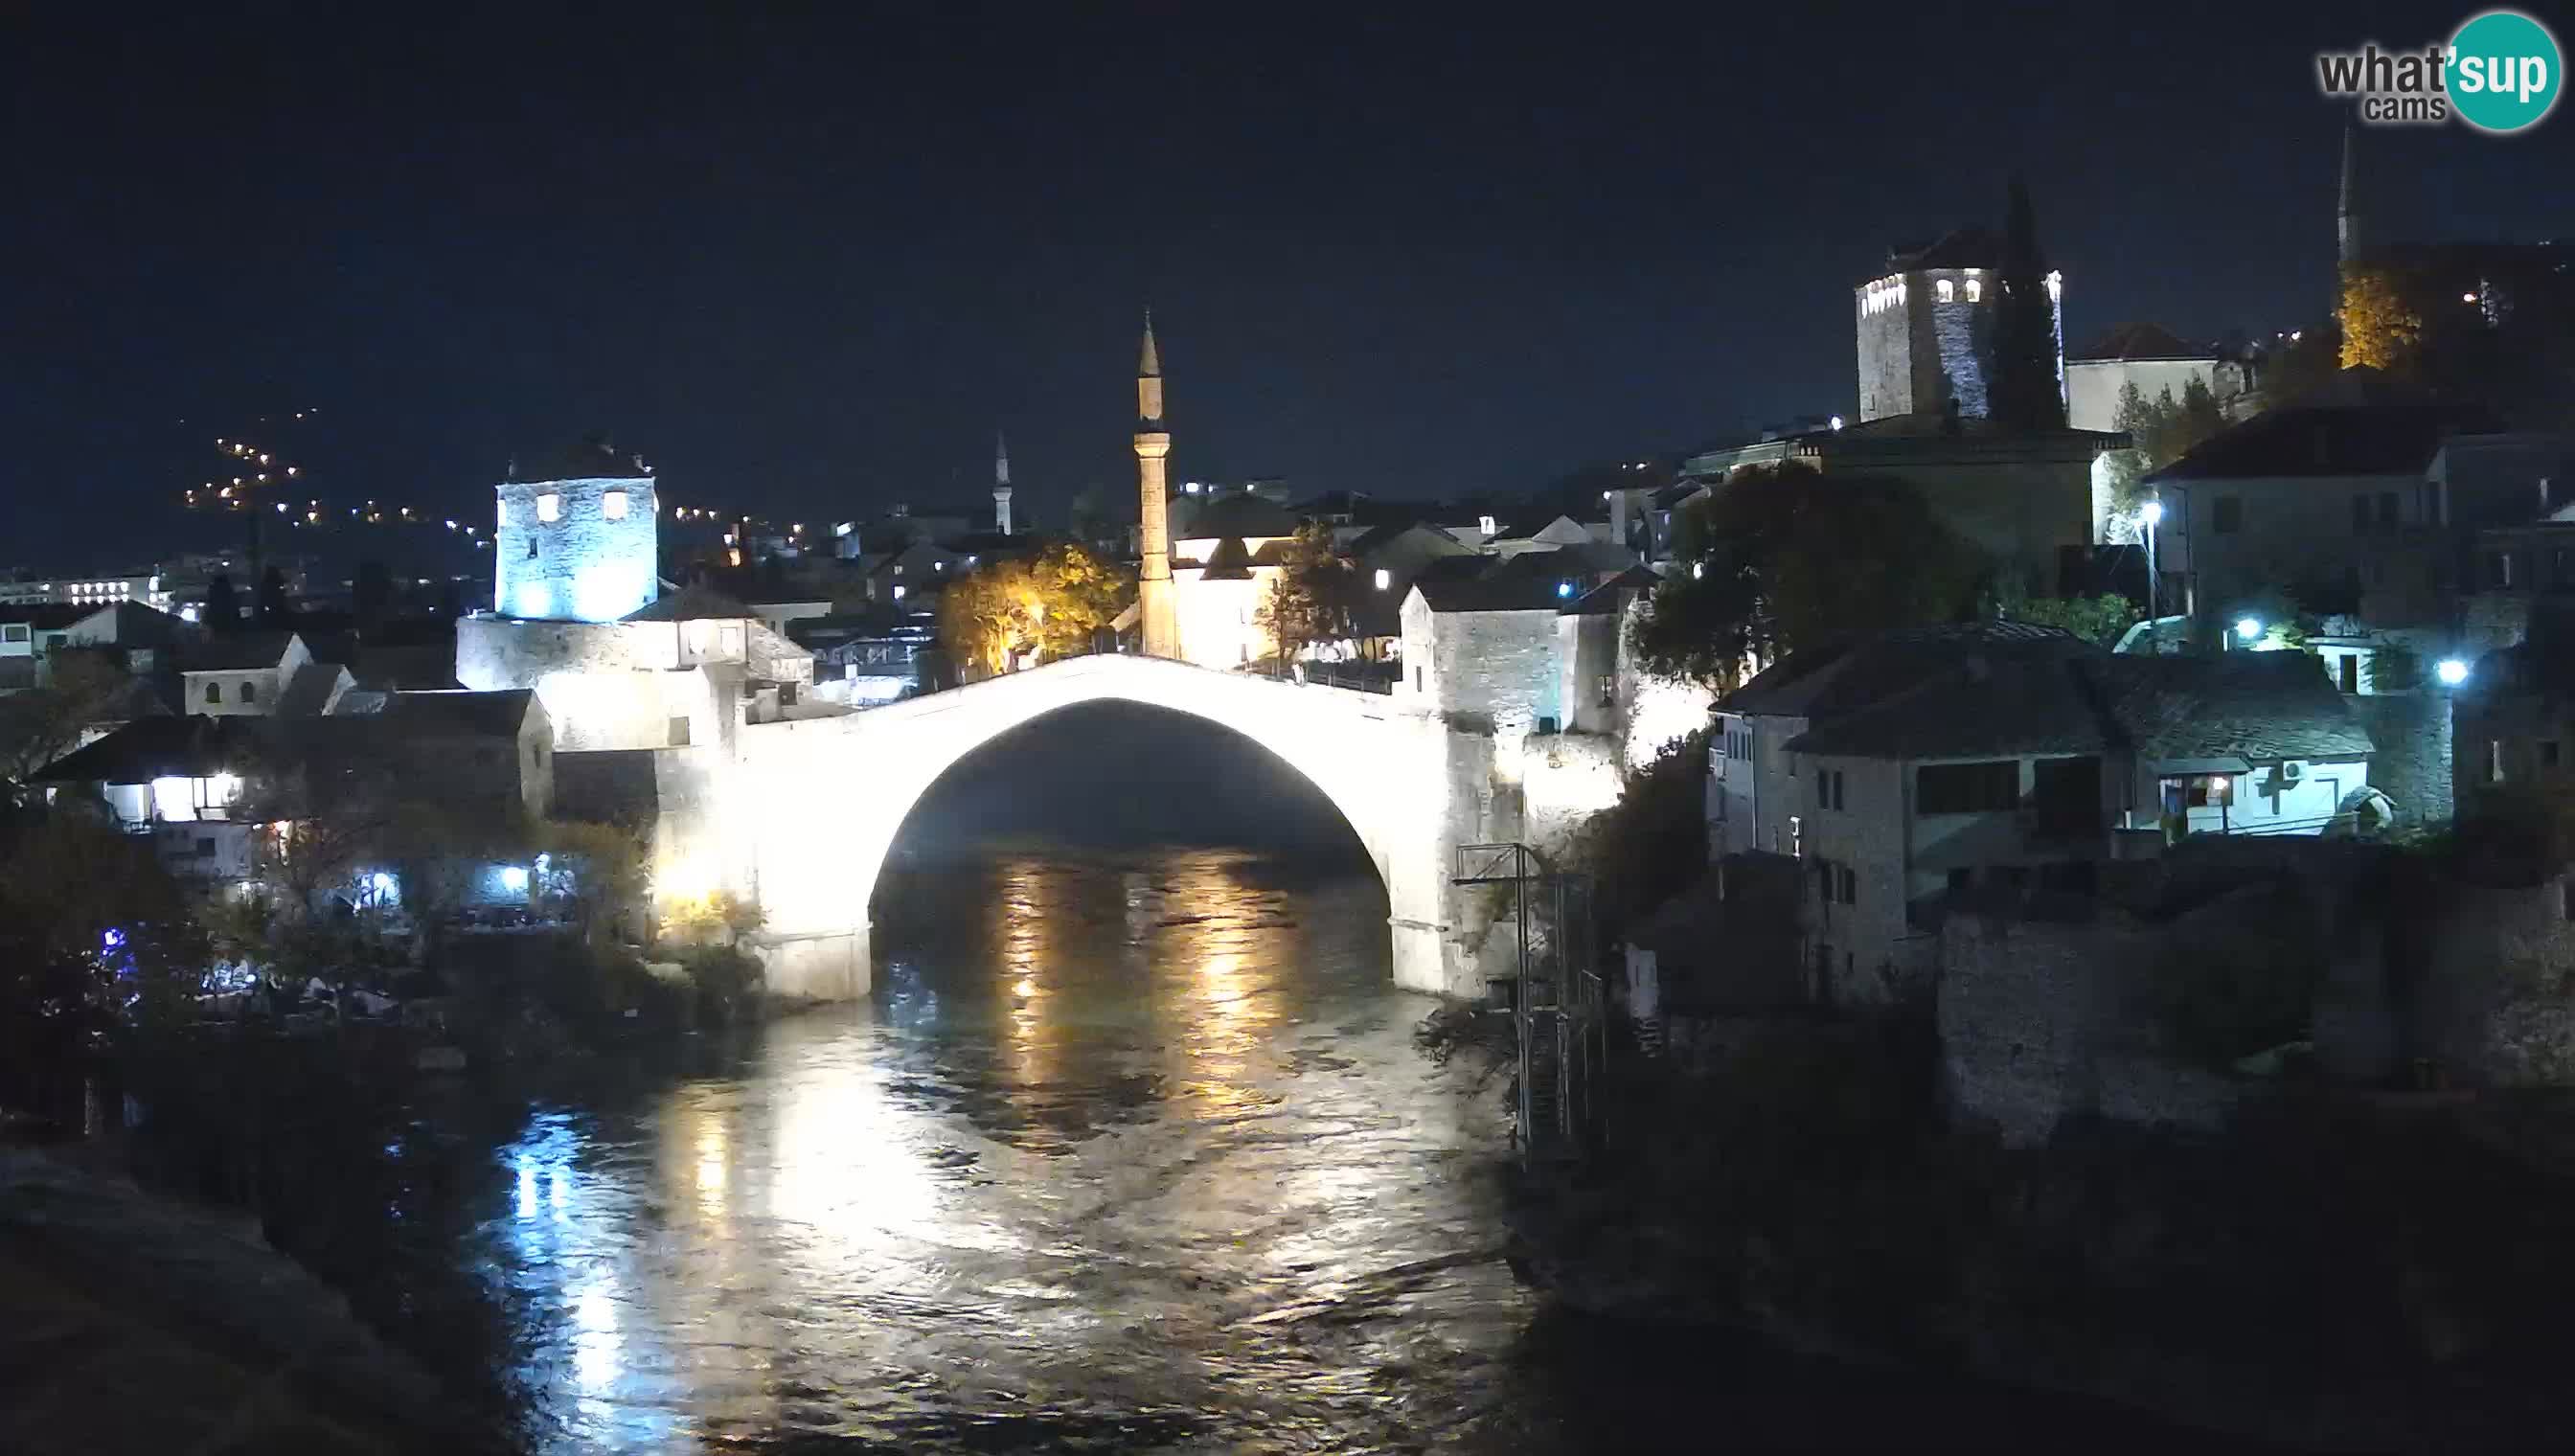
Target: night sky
{"points": [[809, 262]]}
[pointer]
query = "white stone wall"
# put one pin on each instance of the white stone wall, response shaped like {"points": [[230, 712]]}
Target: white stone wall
{"points": [[626, 684], [1759, 793], [1496, 667], [1221, 620], [582, 566]]}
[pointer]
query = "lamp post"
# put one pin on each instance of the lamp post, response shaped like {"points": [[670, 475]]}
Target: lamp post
{"points": [[2154, 517]]}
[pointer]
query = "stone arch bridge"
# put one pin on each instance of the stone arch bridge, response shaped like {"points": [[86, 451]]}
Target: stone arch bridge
{"points": [[802, 813]]}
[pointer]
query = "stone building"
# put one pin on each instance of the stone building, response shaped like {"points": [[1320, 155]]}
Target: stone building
{"points": [[578, 540], [2156, 362], [1223, 570], [1922, 323]]}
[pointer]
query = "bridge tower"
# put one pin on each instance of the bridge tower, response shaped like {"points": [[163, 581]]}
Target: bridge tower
{"points": [[1157, 617]]}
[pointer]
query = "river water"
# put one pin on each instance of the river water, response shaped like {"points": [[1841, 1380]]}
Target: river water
{"points": [[1132, 1150]]}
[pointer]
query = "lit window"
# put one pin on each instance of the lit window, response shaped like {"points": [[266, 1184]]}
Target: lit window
{"points": [[1976, 290], [1948, 291], [1384, 578], [613, 505], [550, 507]]}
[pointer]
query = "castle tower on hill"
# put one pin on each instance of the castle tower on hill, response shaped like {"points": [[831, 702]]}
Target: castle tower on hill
{"points": [[578, 539], [1157, 614], [1922, 323]]}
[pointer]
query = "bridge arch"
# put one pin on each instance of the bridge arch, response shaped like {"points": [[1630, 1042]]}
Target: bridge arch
{"points": [[816, 805]]}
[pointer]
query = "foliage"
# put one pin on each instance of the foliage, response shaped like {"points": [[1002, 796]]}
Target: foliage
{"points": [[2380, 329], [2098, 619], [2247, 991], [2391, 667], [1781, 558], [1315, 597], [600, 871], [271, 606], [1652, 843], [724, 976], [1053, 603], [2165, 430], [702, 919], [223, 605], [2023, 390], [42, 724], [96, 943]]}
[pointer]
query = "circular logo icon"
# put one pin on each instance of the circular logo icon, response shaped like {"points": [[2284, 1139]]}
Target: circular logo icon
{"points": [[2505, 71]]}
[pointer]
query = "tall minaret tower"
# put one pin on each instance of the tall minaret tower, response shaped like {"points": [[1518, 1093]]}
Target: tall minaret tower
{"points": [[1161, 624], [2347, 218], [1001, 483]]}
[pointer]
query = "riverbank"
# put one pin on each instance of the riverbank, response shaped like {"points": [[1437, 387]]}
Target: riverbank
{"points": [[2339, 1274], [138, 1326]]}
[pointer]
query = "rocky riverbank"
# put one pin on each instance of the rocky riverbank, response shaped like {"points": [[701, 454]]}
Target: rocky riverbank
{"points": [[2337, 1274], [135, 1325]]}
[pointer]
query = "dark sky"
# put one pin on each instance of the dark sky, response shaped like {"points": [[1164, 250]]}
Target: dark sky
{"points": [[806, 258]]}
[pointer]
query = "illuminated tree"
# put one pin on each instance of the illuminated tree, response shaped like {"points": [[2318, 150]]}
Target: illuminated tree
{"points": [[1055, 604], [2380, 330]]}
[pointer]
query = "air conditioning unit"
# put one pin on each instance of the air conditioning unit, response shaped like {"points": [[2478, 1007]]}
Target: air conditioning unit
{"points": [[2289, 771]]}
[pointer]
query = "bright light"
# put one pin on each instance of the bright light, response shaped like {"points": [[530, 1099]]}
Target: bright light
{"points": [[2153, 513], [1564, 589], [612, 505], [188, 612], [2247, 628], [380, 882], [513, 878], [2467, 298], [550, 507], [1837, 421], [1384, 578], [2451, 671], [1486, 523], [898, 591]]}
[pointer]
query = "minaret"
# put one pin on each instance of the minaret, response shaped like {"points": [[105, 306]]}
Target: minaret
{"points": [[1000, 483], [2347, 239], [1161, 624]]}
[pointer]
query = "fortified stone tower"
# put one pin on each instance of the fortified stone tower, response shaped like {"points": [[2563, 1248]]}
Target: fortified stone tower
{"points": [[1158, 621], [579, 541], [1922, 326], [1000, 483]]}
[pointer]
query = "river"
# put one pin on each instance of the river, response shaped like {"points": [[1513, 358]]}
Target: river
{"points": [[1132, 1150]]}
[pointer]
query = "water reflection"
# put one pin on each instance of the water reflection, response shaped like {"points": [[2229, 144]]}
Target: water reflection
{"points": [[1076, 1175]]}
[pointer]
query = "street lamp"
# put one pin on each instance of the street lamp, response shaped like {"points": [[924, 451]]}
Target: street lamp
{"points": [[2452, 672], [2153, 515], [2248, 627]]}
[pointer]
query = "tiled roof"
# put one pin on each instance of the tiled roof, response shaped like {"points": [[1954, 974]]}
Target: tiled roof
{"points": [[2012, 702], [1611, 594], [1229, 562], [155, 747], [2258, 707], [689, 603], [496, 714], [1240, 514], [46, 616], [1501, 592], [1850, 674], [2332, 439], [309, 691]]}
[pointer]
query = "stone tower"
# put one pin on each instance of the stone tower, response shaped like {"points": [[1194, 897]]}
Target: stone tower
{"points": [[578, 541], [1921, 325], [1159, 622], [1000, 483]]}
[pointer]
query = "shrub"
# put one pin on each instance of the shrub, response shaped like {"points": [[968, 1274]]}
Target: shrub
{"points": [[724, 978]]}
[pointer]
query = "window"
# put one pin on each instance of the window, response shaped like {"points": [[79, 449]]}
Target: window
{"points": [[1976, 290], [1837, 788], [205, 848], [1828, 788], [550, 507], [1417, 681], [2387, 510], [1948, 291], [2499, 570], [1849, 884], [679, 732], [1959, 789], [250, 692], [214, 693], [2348, 665], [13, 632], [1609, 690], [532, 548], [613, 505], [1796, 837], [2226, 515], [2494, 760], [2199, 791]]}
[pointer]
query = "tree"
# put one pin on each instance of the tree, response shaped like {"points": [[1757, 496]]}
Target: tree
{"points": [[1781, 558], [1315, 596], [1055, 604], [223, 609], [272, 598], [2379, 328], [38, 725], [2022, 388], [2101, 619]]}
